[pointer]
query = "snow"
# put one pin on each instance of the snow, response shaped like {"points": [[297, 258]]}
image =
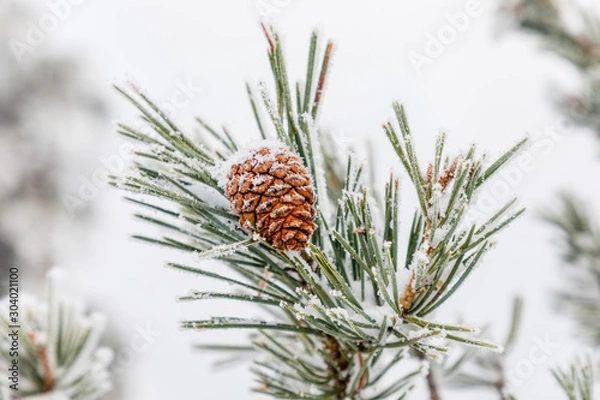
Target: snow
{"points": [[198, 295], [403, 277], [248, 151], [467, 104], [319, 164], [40, 321], [439, 235], [420, 262], [224, 250], [209, 196], [258, 180], [417, 333], [338, 312]]}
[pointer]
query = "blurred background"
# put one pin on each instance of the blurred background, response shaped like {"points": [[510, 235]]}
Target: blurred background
{"points": [[488, 84]]}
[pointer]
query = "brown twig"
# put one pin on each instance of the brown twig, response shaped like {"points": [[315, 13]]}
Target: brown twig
{"points": [[446, 177], [46, 370], [409, 294], [501, 383], [339, 364], [434, 393], [42, 353], [322, 78], [363, 377], [268, 36]]}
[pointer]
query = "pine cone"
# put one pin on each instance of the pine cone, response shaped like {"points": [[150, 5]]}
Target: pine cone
{"points": [[271, 191]]}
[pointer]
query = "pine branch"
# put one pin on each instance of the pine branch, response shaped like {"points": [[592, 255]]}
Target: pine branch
{"points": [[345, 308], [433, 391], [580, 237], [578, 380], [472, 368], [580, 245], [579, 46], [58, 352], [431, 382]]}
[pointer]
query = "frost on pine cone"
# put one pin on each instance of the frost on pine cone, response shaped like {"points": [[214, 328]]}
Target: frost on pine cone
{"points": [[271, 191]]}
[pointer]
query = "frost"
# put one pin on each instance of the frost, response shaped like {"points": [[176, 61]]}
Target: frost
{"points": [[314, 301], [439, 235], [256, 237], [414, 334], [157, 148], [420, 261], [498, 349], [209, 196], [319, 162], [224, 250], [338, 312], [299, 307], [403, 277], [196, 294], [246, 152], [260, 179], [82, 366]]}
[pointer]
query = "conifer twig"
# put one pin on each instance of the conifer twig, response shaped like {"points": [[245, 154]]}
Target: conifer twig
{"points": [[577, 43], [340, 317], [58, 352], [431, 382]]}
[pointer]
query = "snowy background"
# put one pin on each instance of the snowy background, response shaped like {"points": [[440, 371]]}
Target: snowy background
{"points": [[490, 86]]}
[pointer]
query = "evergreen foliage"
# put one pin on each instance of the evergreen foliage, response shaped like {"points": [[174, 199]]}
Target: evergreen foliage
{"points": [[58, 353], [573, 33], [353, 315]]}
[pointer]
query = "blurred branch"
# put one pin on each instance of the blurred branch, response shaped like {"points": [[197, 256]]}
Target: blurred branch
{"points": [[579, 242], [45, 99], [58, 353], [345, 304], [484, 370], [576, 40], [577, 381]]}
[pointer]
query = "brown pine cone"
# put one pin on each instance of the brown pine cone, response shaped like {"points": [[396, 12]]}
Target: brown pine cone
{"points": [[272, 192]]}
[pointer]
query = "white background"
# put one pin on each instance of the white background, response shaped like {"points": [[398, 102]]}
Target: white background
{"points": [[491, 86]]}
